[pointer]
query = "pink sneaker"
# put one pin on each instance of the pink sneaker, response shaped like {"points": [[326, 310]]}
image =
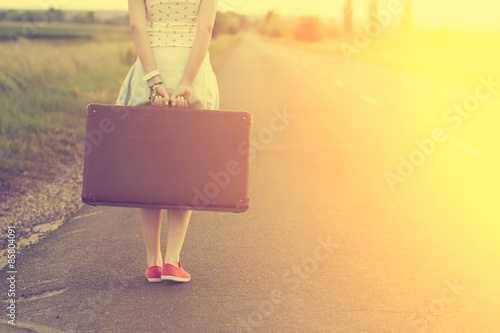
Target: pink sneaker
{"points": [[153, 273], [172, 273]]}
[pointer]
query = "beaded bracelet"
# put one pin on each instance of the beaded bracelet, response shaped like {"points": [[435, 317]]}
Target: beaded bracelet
{"points": [[153, 87]]}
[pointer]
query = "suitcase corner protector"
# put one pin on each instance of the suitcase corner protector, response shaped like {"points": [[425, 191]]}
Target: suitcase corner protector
{"points": [[88, 196], [91, 110], [247, 118], [243, 204]]}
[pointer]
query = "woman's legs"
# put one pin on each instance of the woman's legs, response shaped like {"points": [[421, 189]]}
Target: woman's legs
{"points": [[178, 220], [151, 228], [177, 223]]}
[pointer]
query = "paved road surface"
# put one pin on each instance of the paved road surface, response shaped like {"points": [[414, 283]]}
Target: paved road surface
{"points": [[328, 245]]}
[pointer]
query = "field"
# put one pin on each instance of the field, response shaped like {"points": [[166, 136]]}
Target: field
{"points": [[45, 85]]}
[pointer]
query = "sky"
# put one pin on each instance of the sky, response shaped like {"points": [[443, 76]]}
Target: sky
{"points": [[452, 13]]}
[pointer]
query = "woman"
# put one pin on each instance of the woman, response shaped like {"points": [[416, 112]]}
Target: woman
{"points": [[172, 68]]}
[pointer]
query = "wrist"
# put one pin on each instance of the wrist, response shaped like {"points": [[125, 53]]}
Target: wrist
{"points": [[154, 80], [186, 83], [152, 89], [150, 75]]}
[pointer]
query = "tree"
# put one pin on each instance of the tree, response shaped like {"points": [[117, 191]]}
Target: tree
{"points": [[407, 18], [309, 29], [82, 18], [55, 15], [348, 21], [228, 23], [14, 15], [272, 25], [269, 16], [373, 18], [91, 17]]}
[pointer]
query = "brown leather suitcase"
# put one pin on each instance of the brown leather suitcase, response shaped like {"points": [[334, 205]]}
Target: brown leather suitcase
{"points": [[142, 156]]}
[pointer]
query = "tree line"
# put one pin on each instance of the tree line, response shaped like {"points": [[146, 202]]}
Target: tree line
{"points": [[312, 28], [56, 15], [226, 22]]}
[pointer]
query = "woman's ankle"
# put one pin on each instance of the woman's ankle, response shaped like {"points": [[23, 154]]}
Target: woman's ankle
{"points": [[154, 261], [172, 261]]}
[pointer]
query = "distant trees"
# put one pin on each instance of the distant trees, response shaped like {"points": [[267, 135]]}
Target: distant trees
{"points": [[373, 18], [229, 23], [348, 20], [304, 28], [15, 15], [35, 16], [40, 17], [225, 22], [380, 22], [272, 25], [55, 15], [84, 18], [309, 29]]}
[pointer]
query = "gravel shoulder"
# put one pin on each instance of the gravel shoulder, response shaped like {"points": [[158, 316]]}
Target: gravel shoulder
{"points": [[35, 206]]}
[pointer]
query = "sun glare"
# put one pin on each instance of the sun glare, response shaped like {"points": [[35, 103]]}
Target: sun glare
{"points": [[460, 14]]}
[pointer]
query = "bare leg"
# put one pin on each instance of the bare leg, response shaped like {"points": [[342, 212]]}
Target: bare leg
{"points": [[151, 228], [178, 220]]}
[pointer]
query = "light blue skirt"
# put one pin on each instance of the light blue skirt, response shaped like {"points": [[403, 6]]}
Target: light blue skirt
{"points": [[171, 62]]}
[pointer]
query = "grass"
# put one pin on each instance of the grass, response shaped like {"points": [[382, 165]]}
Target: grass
{"points": [[43, 95], [45, 87], [223, 42]]}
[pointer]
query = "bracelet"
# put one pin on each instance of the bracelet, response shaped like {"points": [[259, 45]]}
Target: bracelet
{"points": [[150, 75], [153, 88]]}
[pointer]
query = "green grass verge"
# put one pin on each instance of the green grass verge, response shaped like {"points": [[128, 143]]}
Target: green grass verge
{"points": [[223, 42], [42, 127]]}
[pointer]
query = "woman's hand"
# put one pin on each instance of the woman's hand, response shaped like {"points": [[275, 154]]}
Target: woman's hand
{"points": [[160, 98], [181, 96]]}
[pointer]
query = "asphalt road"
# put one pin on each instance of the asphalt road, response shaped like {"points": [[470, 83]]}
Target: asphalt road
{"points": [[360, 219]]}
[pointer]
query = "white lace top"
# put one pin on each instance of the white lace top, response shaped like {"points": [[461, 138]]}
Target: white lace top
{"points": [[171, 23]]}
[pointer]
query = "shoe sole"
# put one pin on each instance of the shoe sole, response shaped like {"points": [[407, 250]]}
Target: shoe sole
{"points": [[154, 279], [175, 278]]}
